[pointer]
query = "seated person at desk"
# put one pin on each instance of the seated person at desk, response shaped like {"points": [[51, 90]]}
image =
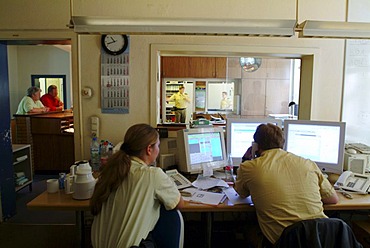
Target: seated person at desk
{"points": [[285, 188], [129, 192], [31, 102], [51, 99]]}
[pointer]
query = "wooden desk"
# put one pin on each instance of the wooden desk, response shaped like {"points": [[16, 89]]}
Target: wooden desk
{"points": [[62, 202]]}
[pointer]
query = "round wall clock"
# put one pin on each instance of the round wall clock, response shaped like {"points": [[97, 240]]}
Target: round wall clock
{"points": [[114, 43]]}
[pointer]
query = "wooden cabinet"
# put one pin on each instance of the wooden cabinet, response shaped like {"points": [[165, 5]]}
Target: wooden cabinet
{"points": [[51, 138], [22, 163], [53, 146], [175, 67], [193, 67], [221, 65]]}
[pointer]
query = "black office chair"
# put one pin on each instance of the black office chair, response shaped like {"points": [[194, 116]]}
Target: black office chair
{"points": [[318, 233], [169, 230]]}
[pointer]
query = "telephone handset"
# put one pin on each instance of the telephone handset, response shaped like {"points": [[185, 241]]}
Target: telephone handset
{"points": [[353, 182], [254, 150]]}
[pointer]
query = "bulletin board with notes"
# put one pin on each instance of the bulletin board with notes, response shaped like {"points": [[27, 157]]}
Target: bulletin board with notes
{"points": [[115, 81]]}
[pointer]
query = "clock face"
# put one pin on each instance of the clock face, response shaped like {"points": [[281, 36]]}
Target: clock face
{"points": [[114, 43]]}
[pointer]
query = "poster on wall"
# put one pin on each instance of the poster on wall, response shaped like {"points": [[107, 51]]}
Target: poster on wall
{"points": [[115, 77]]}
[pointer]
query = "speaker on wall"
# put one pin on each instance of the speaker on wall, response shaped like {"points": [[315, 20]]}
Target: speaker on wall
{"points": [[357, 164], [166, 160]]}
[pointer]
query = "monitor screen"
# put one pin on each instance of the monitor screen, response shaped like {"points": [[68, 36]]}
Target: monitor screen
{"points": [[200, 147], [319, 141], [240, 133]]}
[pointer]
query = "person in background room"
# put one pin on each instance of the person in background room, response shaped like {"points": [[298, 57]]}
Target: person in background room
{"points": [[51, 99], [31, 102], [225, 101], [129, 192], [285, 188], [181, 100]]}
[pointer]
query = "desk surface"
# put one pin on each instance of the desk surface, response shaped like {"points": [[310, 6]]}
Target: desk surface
{"points": [[62, 201]]}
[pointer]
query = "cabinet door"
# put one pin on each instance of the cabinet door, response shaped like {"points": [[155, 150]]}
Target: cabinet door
{"points": [[221, 67], [201, 67], [175, 67], [253, 100]]}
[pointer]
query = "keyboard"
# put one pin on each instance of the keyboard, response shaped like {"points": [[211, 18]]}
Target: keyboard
{"points": [[180, 181]]}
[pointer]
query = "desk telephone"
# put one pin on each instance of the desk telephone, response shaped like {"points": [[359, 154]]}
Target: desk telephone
{"points": [[180, 181], [353, 182]]}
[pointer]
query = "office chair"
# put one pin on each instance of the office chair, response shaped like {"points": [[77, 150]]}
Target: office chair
{"points": [[169, 230], [317, 233]]}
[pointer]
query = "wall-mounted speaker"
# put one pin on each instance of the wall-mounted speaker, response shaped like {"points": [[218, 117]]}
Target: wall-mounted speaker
{"points": [[166, 160], [357, 164]]}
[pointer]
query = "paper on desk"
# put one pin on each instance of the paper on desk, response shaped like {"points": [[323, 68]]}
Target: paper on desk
{"points": [[204, 197], [234, 197], [208, 182]]}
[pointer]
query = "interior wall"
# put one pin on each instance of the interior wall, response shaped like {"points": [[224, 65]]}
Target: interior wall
{"points": [[30, 60], [52, 17]]}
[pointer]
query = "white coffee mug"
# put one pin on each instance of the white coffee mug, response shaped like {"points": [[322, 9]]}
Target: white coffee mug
{"points": [[52, 185]]}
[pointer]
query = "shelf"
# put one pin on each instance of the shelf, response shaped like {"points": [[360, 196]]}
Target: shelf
{"points": [[28, 183]]}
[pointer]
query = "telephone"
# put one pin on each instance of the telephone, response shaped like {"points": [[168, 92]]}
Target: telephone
{"points": [[353, 182], [180, 181], [254, 150]]}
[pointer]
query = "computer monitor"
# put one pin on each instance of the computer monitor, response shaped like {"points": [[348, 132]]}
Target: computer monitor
{"points": [[239, 135], [200, 147], [320, 141]]}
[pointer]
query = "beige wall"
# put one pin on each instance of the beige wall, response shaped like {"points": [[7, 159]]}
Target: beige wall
{"points": [[328, 53]]}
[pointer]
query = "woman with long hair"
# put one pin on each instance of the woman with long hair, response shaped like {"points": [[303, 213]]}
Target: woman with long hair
{"points": [[129, 192]]}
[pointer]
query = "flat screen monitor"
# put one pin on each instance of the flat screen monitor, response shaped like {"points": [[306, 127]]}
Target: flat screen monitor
{"points": [[199, 147], [320, 141], [239, 135]]}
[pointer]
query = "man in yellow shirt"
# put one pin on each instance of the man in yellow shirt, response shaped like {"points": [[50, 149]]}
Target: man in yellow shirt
{"points": [[285, 188], [181, 100]]}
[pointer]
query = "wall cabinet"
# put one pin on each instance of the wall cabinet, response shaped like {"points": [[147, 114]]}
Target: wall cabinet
{"points": [[22, 163], [193, 67]]}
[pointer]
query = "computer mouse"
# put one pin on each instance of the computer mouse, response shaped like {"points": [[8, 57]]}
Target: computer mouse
{"points": [[351, 151]]}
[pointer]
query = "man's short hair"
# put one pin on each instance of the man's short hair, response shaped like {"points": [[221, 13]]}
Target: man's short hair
{"points": [[32, 90], [51, 87], [181, 87], [269, 136]]}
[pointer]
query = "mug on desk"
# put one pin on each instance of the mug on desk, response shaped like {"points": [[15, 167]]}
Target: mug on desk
{"points": [[52, 185]]}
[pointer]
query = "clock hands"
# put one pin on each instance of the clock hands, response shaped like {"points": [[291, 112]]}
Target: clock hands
{"points": [[113, 40]]}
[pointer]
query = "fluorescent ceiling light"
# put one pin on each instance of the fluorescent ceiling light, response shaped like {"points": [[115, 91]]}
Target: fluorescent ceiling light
{"points": [[327, 29], [235, 27]]}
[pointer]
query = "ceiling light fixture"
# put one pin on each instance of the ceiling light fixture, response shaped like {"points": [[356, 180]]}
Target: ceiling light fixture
{"points": [[194, 26]]}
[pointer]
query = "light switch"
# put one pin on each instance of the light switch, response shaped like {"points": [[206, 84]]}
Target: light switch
{"points": [[94, 124]]}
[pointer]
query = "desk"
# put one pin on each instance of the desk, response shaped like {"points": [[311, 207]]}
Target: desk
{"points": [[61, 201]]}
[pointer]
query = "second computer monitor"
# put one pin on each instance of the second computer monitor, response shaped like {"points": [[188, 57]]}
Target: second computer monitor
{"points": [[319, 141], [239, 134]]}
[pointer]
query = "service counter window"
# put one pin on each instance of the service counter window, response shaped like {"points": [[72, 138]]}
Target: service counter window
{"points": [[220, 96]]}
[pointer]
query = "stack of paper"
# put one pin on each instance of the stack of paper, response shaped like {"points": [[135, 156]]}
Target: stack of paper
{"points": [[234, 197], [204, 197]]}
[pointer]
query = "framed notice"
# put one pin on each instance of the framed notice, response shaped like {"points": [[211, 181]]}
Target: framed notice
{"points": [[115, 81]]}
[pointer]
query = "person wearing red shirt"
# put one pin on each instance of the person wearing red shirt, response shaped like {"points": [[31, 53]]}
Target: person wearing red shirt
{"points": [[51, 99]]}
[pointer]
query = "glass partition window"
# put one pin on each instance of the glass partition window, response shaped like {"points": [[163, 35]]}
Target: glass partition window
{"points": [[44, 81], [220, 96]]}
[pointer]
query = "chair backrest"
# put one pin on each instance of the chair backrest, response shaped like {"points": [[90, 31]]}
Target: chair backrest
{"points": [[315, 233], [169, 230]]}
